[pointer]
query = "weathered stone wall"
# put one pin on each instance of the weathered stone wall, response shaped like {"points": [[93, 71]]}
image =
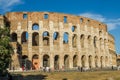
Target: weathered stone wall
{"points": [[112, 50], [87, 44]]}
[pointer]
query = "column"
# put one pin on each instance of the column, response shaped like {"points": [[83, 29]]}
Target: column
{"points": [[61, 36], [51, 35], [30, 40]]}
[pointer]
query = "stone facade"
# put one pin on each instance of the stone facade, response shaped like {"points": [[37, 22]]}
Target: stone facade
{"points": [[55, 40]]}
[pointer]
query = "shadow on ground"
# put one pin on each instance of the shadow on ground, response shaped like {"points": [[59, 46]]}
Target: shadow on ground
{"points": [[29, 77]]}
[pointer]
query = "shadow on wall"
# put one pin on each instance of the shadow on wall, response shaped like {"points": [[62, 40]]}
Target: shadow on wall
{"points": [[28, 77]]}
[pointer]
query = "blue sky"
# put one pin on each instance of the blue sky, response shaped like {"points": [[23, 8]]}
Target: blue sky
{"points": [[107, 11]]}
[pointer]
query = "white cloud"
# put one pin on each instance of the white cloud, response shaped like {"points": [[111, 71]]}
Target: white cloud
{"points": [[7, 5], [111, 23]]}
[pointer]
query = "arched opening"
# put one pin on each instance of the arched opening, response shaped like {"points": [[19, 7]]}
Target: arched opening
{"points": [[96, 61], [65, 19], [66, 61], [56, 62], [106, 61], [56, 38], [83, 59], [100, 33], [89, 41], [101, 61], [35, 62], [73, 28], [46, 61], [81, 20], [101, 40], [35, 26], [75, 59], [35, 39], [24, 37], [45, 38], [88, 22], [82, 41], [26, 64], [94, 41], [74, 40], [14, 37], [90, 61], [65, 38]]}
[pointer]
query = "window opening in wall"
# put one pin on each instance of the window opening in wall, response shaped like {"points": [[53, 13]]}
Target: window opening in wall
{"points": [[55, 35], [89, 40], [94, 41], [81, 20], [73, 28], [45, 38], [74, 40], [46, 61], [24, 37], [100, 33], [65, 38], [35, 39], [45, 16], [25, 16], [82, 41], [88, 21], [65, 19], [35, 27]]}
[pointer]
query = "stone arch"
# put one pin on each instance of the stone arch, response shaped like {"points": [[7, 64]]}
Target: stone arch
{"points": [[46, 38], [95, 41], [46, 60], [35, 39], [83, 61], [24, 37], [75, 59], [101, 61], [66, 61], [65, 38], [56, 38], [73, 28], [106, 61], [105, 43], [101, 40], [96, 61], [56, 62], [74, 40], [26, 64], [89, 40], [100, 33], [35, 26], [14, 37], [35, 62], [82, 37], [90, 61]]}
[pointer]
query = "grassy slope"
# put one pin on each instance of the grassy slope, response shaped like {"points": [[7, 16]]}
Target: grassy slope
{"points": [[101, 75]]}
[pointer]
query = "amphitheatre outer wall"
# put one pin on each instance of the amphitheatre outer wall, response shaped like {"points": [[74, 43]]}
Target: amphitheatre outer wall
{"points": [[56, 40]]}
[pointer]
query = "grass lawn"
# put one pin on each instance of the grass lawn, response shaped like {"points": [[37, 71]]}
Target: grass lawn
{"points": [[98, 75]]}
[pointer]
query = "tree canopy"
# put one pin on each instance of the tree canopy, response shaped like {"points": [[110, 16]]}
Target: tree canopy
{"points": [[5, 49]]}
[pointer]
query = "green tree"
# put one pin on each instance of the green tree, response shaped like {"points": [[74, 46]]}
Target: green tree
{"points": [[5, 50]]}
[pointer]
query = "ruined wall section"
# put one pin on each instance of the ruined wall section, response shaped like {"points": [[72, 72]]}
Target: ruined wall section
{"points": [[112, 50]]}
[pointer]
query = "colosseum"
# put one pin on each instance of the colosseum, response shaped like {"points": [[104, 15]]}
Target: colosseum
{"points": [[57, 40]]}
